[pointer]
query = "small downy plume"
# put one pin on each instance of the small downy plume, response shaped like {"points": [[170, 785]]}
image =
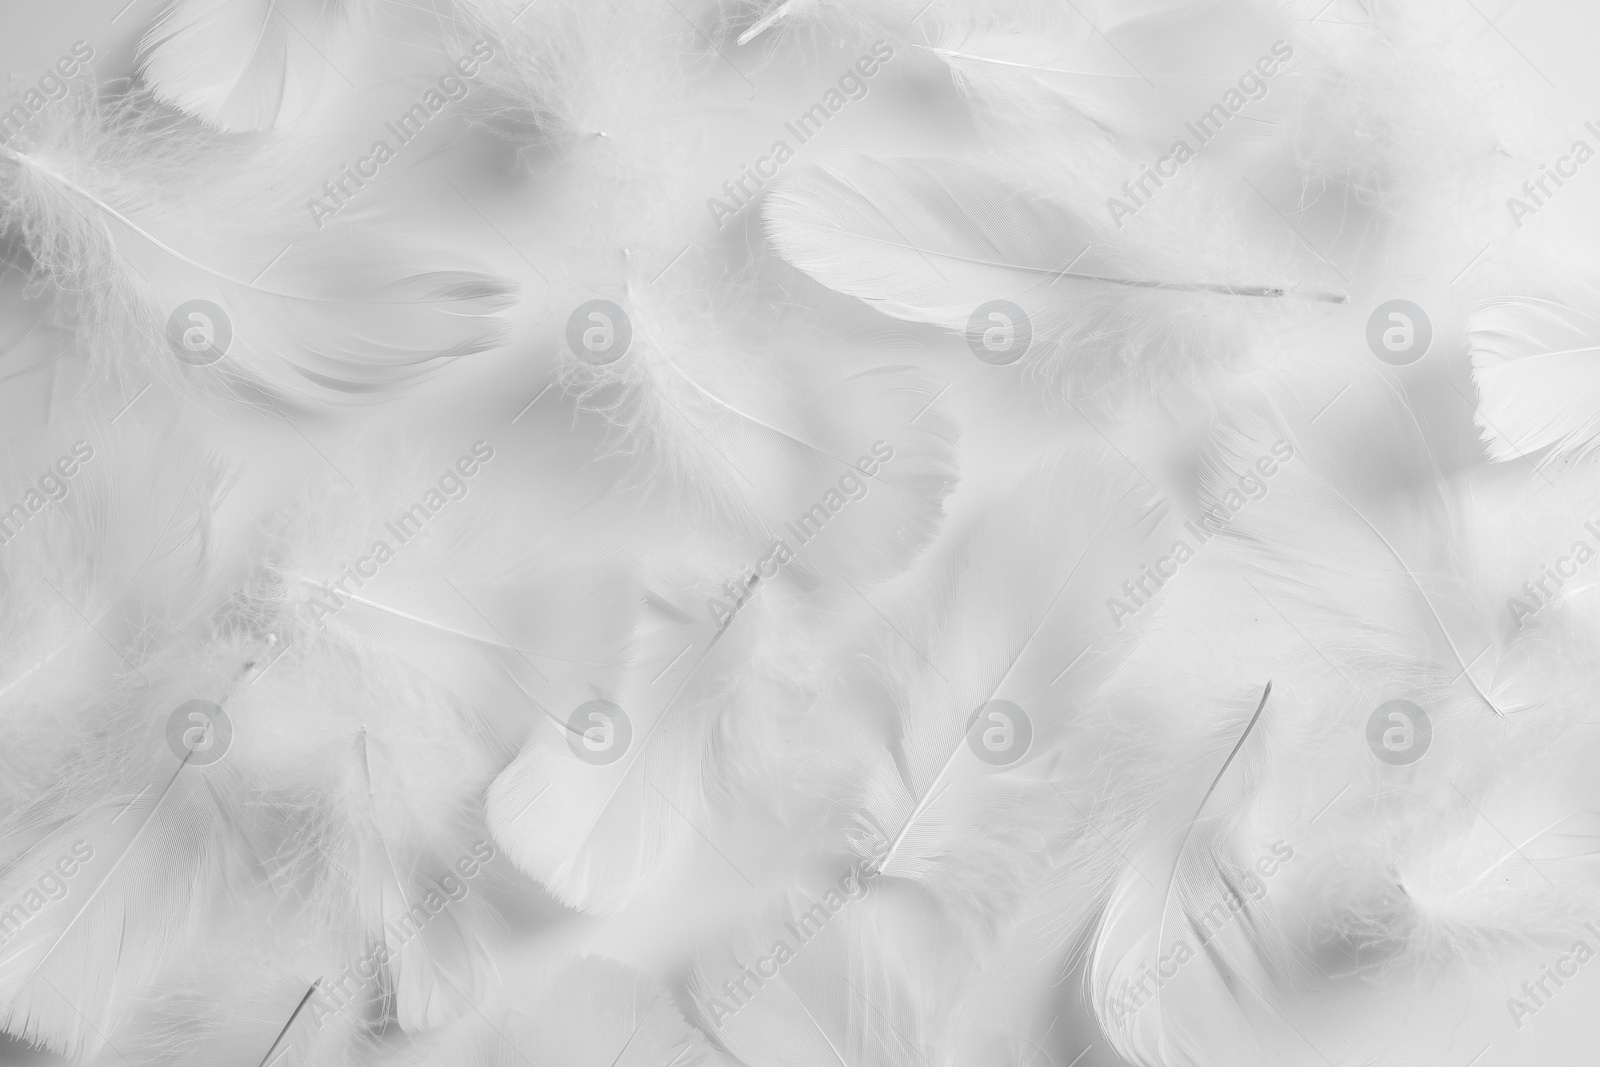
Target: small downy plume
{"points": [[243, 66], [1536, 362], [169, 239], [938, 240]]}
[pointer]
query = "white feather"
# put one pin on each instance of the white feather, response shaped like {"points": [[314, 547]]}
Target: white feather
{"points": [[932, 240], [242, 64], [1537, 367], [151, 851], [600, 834], [1343, 589], [1367, 562], [1130, 75], [1017, 612], [140, 214], [1186, 860], [244, 1012], [713, 412]]}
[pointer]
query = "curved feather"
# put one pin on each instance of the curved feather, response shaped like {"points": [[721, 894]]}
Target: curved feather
{"points": [[597, 829], [1186, 862], [241, 64], [1536, 363]]}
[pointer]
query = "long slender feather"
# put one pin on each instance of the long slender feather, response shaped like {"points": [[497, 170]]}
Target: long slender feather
{"points": [[945, 242]]}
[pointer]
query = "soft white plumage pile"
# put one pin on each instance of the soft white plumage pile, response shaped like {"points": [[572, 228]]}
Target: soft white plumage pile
{"points": [[816, 683]]}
